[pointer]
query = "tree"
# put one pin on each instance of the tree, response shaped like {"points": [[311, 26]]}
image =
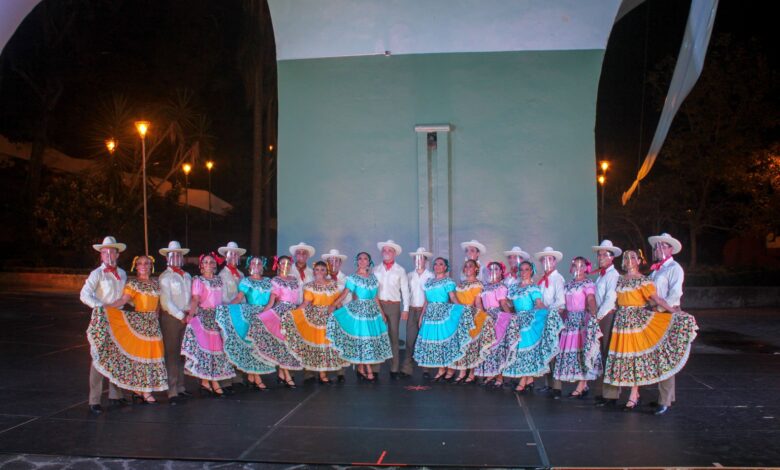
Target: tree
{"points": [[710, 164]]}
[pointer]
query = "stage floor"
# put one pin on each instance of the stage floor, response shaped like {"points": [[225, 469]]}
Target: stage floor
{"points": [[727, 412]]}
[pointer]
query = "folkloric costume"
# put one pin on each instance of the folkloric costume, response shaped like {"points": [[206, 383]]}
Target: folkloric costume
{"points": [[417, 282], [267, 335], [506, 329], [606, 296], [551, 283], [444, 333], [202, 346], [393, 295], [580, 346], [103, 286], [303, 274], [668, 277], [647, 347], [230, 274], [483, 334], [235, 321], [305, 329], [127, 345], [175, 290], [357, 330], [539, 330]]}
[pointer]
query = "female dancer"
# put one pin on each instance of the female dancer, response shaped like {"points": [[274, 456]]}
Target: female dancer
{"points": [[202, 345], [539, 330], [647, 346], [358, 330], [444, 324], [126, 345], [483, 335], [306, 325], [579, 358], [235, 322], [493, 300], [267, 334]]}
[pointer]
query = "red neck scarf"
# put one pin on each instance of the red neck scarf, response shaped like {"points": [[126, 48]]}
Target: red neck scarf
{"points": [[112, 270], [233, 270], [388, 265], [658, 265], [177, 270], [302, 272], [603, 271], [545, 279]]}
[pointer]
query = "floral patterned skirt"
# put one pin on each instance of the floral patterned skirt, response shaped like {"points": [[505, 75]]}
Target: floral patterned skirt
{"points": [[444, 334], [504, 351], [580, 348], [648, 347], [305, 330], [203, 349], [483, 338], [358, 333], [268, 337], [235, 323], [126, 347], [539, 342]]}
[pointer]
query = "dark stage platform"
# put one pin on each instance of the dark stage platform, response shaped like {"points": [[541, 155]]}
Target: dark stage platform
{"points": [[727, 413]]}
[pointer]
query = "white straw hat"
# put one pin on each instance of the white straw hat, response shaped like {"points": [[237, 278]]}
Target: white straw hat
{"points": [[475, 244], [110, 242], [302, 246], [607, 245], [666, 238], [334, 253], [421, 251], [517, 251], [174, 247], [548, 251], [395, 246], [231, 246]]}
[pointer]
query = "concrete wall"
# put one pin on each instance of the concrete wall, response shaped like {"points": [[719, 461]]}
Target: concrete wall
{"points": [[521, 149]]}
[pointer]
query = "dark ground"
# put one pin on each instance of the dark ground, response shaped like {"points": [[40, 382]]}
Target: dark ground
{"points": [[727, 412]]}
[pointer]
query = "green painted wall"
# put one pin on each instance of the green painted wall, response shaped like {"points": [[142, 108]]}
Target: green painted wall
{"points": [[522, 168]]}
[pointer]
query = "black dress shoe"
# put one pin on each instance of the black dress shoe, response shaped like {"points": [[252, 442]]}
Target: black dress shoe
{"points": [[340, 378], [229, 390], [394, 375], [118, 401], [309, 380], [555, 394], [545, 389], [426, 375], [95, 409], [660, 409], [185, 394], [606, 402], [174, 401], [404, 375]]}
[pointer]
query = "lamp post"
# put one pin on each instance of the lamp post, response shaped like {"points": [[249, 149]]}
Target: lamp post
{"points": [[143, 127], [111, 145], [604, 165], [187, 168], [209, 166]]}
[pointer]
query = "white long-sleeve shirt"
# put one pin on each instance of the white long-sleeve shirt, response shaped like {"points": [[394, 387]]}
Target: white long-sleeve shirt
{"points": [[102, 287], [393, 285], [175, 292], [554, 296], [416, 283], [308, 276], [606, 294], [668, 280], [229, 284]]}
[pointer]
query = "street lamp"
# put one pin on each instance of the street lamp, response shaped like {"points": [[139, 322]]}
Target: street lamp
{"points": [[111, 145], [187, 168], [209, 166], [143, 127]]}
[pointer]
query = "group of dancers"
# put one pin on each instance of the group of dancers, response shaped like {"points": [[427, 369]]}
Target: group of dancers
{"points": [[497, 322]]}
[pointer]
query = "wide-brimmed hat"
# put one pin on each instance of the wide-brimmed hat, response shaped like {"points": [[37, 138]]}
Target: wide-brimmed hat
{"points": [[475, 244], [110, 242], [548, 251], [517, 251], [607, 245], [302, 246], [174, 247], [231, 246], [395, 246], [421, 251], [666, 238], [334, 253]]}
